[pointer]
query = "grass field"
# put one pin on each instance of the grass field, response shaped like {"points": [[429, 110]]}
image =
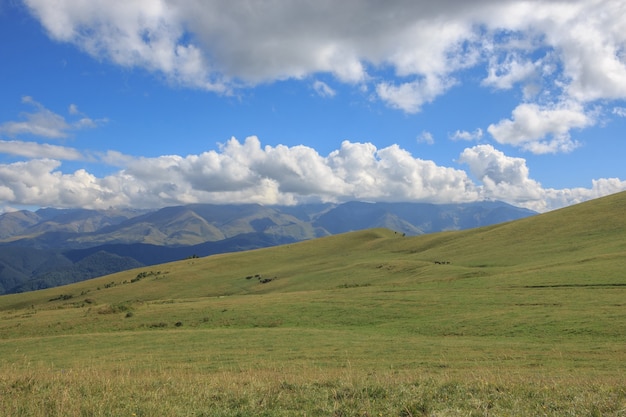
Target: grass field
{"points": [[523, 318]]}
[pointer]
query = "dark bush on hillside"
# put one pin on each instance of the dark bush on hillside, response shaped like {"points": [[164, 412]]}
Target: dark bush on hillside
{"points": [[260, 278], [143, 275], [62, 297]]}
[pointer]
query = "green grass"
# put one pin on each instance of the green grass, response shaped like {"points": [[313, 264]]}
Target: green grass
{"points": [[523, 318]]}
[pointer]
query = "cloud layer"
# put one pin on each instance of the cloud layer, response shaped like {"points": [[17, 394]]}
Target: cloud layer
{"points": [[246, 172], [567, 58]]}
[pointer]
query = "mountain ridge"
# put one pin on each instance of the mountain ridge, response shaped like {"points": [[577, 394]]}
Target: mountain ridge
{"points": [[63, 237]]}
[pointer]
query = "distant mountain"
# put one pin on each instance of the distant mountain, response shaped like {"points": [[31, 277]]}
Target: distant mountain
{"points": [[417, 218], [30, 227], [51, 247]]}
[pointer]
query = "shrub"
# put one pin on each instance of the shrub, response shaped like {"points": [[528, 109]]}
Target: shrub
{"points": [[62, 297]]}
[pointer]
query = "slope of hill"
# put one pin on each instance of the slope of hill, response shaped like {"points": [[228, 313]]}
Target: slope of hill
{"points": [[520, 318], [581, 239], [203, 229]]}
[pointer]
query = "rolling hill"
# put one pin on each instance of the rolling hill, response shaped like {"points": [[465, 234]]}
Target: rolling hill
{"points": [[54, 241], [567, 244]]}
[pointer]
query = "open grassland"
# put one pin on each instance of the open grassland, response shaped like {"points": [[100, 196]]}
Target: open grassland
{"points": [[523, 318]]}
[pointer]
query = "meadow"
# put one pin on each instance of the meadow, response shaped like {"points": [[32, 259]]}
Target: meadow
{"points": [[522, 318]]}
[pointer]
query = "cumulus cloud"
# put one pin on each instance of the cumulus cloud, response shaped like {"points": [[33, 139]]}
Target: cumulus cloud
{"points": [[504, 75], [241, 172], [506, 178], [554, 198], [409, 53], [502, 177], [247, 172], [411, 96], [43, 122], [426, 137], [145, 33], [286, 175], [542, 129], [465, 135], [39, 182]]}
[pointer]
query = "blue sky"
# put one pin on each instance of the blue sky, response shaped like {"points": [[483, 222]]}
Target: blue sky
{"points": [[151, 103]]}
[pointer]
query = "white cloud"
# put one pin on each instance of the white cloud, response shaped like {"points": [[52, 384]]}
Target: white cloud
{"points": [[39, 150], [560, 198], [45, 123], [542, 129], [504, 75], [494, 169], [411, 52], [465, 135], [410, 96], [142, 33], [292, 39], [592, 46], [392, 174], [246, 172], [42, 123], [426, 137], [322, 89], [38, 182], [508, 179], [240, 172]]}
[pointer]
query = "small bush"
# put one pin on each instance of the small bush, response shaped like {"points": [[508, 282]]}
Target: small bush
{"points": [[62, 297]]}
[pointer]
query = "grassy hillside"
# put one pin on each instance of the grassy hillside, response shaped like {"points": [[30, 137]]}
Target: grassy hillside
{"points": [[522, 318]]}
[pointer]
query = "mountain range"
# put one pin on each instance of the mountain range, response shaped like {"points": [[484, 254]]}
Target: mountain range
{"points": [[51, 247]]}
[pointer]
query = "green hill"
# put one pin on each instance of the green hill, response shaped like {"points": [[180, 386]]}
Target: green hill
{"points": [[521, 318], [67, 236]]}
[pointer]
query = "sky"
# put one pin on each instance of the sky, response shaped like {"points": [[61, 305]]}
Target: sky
{"points": [[154, 103]]}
